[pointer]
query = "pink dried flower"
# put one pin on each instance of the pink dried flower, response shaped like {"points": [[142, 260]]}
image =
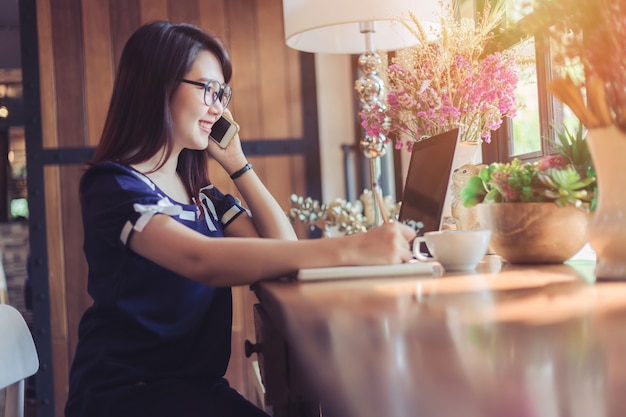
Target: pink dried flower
{"points": [[374, 121], [450, 84], [552, 161]]}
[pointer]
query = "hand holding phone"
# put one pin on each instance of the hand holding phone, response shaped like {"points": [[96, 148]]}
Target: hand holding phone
{"points": [[224, 130]]}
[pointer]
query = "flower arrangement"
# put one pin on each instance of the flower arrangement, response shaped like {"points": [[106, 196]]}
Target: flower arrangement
{"points": [[438, 86], [591, 32], [567, 178], [343, 216]]}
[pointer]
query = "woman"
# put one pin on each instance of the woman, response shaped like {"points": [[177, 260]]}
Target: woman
{"points": [[164, 246]]}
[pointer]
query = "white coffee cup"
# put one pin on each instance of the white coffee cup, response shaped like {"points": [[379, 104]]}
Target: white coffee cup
{"points": [[455, 250]]}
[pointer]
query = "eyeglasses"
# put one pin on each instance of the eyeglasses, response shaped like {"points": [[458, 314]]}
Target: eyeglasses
{"points": [[214, 91]]}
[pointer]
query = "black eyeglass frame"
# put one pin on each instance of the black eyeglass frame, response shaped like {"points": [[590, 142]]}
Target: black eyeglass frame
{"points": [[219, 95]]}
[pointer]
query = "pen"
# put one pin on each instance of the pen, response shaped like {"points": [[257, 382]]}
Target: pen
{"points": [[381, 206]]}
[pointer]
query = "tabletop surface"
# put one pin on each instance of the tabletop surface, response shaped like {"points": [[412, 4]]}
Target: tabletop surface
{"points": [[502, 341]]}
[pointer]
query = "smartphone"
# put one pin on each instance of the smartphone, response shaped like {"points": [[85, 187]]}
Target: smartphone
{"points": [[224, 130]]}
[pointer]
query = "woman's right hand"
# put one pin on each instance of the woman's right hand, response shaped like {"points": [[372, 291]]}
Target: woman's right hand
{"points": [[388, 244]]}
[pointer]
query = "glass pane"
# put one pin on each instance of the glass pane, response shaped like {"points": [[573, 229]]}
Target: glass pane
{"points": [[516, 9], [563, 115], [526, 135]]}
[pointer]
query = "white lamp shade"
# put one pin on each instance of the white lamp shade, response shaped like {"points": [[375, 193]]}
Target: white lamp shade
{"points": [[332, 26]]}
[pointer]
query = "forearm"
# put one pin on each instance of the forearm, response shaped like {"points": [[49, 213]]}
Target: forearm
{"points": [[244, 261]]}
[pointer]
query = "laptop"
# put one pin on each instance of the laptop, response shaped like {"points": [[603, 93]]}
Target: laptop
{"points": [[426, 189]]}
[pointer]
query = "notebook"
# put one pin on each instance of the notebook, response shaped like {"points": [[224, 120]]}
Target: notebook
{"points": [[414, 268], [428, 181]]}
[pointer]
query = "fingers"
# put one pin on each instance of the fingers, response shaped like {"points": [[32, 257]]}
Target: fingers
{"points": [[400, 240], [407, 232]]}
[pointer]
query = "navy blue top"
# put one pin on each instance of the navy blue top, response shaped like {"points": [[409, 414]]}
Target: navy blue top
{"points": [[146, 323]]}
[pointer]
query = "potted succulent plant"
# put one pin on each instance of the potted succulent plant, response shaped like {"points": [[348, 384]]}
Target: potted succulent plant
{"points": [[538, 212]]}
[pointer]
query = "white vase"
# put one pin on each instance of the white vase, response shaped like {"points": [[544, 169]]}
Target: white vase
{"points": [[607, 228]]}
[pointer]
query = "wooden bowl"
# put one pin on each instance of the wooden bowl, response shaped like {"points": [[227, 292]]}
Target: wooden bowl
{"points": [[534, 233]]}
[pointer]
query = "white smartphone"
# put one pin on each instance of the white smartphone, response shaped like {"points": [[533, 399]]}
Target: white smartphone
{"points": [[224, 130]]}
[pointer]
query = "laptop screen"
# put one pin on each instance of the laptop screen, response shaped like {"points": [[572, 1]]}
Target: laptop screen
{"points": [[427, 181]]}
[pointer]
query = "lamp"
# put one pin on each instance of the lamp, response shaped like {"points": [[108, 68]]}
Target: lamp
{"points": [[349, 27]]}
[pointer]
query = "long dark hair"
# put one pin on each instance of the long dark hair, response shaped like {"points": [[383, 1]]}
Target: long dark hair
{"points": [[139, 124]]}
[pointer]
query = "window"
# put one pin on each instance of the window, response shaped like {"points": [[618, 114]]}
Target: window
{"points": [[525, 135], [528, 135]]}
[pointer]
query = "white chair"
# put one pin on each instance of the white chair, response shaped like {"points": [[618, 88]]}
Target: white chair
{"points": [[18, 359]]}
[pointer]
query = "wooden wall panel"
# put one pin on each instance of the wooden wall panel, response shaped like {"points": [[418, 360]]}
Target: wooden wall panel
{"points": [[274, 94], [124, 20], [56, 274], [184, 11], [150, 10], [46, 76], [293, 82], [212, 18], [279, 177], [66, 276], [299, 173], [56, 280], [244, 47], [73, 258], [99, 66], [272, 90], [68, 71], [80, 42]]}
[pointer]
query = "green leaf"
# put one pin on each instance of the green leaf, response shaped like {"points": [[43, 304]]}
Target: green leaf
{"points": [[474, 192]]}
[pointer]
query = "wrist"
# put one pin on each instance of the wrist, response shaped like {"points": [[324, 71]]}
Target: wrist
{"points": [[247, 167]]}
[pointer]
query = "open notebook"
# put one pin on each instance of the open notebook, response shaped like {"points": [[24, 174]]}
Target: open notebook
{"points": [[414, 268]]}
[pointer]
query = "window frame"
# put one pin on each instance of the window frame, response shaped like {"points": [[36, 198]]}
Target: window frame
{"points": [[499, 148]]}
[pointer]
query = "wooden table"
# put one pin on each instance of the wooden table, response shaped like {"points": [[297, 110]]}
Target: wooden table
{"points": [[504, 341]]}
